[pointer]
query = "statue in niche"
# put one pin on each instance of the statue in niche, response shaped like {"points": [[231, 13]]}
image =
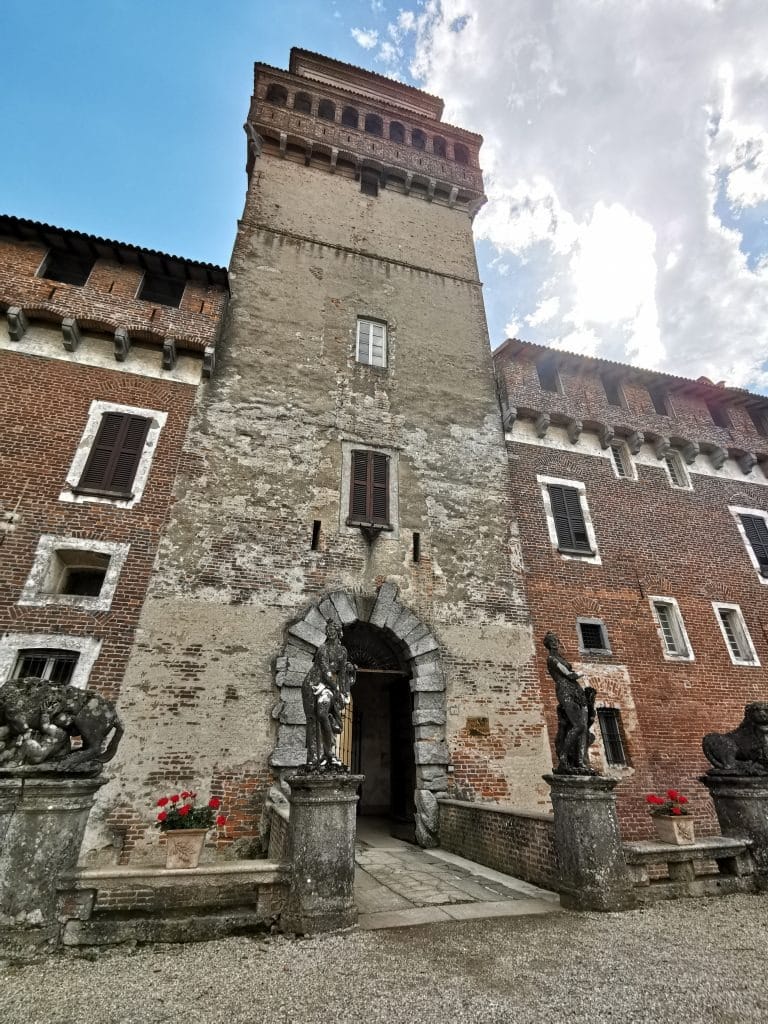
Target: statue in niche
{"points": [[325, 695], [575, 713], [39, 721]]}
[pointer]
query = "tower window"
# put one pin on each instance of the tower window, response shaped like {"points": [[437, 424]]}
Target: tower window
{"points": [[369, 182], [570, 525], [56, 666], [326, 110], [671, 628], [756, 532], [438, 145], [660, 400], [115, 455], [719, 414], [369, 488], [302, 103], [67, 267], [166, 291], [610, 730], [418, 139], [613, 391], [549, 378], [396, 132], [373, 124], [677, 474], [371, 342], [460, 153], [350, 117], [759, 420], [622, 461], [277, 94]]}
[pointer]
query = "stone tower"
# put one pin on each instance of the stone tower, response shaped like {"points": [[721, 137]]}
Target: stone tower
{"points": [[346, 461]]}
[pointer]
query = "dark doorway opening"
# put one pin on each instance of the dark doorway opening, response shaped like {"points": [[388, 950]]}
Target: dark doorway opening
{"points": [[379, 733]]}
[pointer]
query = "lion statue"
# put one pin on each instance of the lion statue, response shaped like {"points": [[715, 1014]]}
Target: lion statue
{"points": [[38, 720], [745, 750]]}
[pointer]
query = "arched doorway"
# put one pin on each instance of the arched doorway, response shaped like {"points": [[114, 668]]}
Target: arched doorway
{"points": [[393, 635], [378, 738]]}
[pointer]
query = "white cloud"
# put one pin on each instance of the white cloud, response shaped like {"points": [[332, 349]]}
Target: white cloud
{"points": [[623, 144], [365, 37]]}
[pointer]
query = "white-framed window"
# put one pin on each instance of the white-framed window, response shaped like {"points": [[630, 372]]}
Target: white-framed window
{"points": [[55, 656], [621, 460], [352, 487], [671, 629], [371, 342], [752, 524], [676, 471], [74, 572], [593, 637], [114, 456], [569, 522], [735, 633]]}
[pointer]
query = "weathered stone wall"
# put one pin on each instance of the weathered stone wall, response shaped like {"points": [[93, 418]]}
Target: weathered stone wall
{"points": [[502, 838]]}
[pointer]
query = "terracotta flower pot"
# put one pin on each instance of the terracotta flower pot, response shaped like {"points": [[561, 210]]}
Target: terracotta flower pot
{"points": [[184, 846], [676, 829]]}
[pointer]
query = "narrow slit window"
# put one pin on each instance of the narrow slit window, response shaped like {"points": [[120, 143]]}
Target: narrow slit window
{"points": [[315, 542], [677, 473], [371, 342], [416, 547], [610, 730]]}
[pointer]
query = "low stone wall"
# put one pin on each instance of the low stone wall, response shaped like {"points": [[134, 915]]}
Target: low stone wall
{"points": [[102, 906], [515, 842]]}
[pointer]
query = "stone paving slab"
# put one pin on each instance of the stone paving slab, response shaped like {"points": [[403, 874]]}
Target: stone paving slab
{"points": [[397, 884]]}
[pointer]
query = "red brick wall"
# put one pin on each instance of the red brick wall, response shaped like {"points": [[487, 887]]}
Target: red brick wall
{"points": [[44, 407], [653, 540]]}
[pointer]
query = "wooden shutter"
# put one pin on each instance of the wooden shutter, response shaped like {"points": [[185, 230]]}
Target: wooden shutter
{"points": [[569, 519], [369, 488], [115, 455], [757, 535]]}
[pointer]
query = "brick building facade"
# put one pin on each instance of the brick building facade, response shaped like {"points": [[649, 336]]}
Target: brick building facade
{"points": [[642, 504], [91, 339]]}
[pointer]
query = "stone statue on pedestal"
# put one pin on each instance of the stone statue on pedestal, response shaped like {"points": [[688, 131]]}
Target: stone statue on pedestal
{"points": [[744, 750], [575, 713], [325, 695], [39, 721]]}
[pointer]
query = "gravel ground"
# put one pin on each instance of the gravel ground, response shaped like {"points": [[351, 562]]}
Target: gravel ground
{"points": [[700, 961]]}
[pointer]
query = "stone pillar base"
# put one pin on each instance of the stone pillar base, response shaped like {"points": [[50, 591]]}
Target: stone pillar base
{"points": [[741, 805], [42, 823], [321, 845], [593, 872]]}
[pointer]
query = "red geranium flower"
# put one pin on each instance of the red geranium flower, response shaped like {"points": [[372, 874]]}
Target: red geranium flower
{"points": [[185, 794], [184, 810], [162, 801], [672, 794], [175, 798], [162, 815], [214, 802], [221, 820], [676, 810], [682, 799]]}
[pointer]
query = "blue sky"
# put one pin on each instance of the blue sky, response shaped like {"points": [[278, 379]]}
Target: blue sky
{"points": [[626, 153]]}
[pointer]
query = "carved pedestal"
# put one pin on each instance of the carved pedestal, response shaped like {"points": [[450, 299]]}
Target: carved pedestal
{"points": [[42, 823], [593, 873], [741, 805], [321, 844]]}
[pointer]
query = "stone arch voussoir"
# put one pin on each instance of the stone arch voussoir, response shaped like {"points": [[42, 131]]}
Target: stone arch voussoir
{"points": [[419, 650]]}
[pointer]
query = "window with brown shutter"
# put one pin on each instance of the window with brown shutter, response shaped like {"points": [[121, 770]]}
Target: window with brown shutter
{"points": [[369, 489], [115, 455], [757, 535], [570, 526]]}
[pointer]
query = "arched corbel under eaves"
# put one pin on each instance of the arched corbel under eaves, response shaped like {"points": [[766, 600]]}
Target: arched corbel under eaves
{"points": [[420, 652]]}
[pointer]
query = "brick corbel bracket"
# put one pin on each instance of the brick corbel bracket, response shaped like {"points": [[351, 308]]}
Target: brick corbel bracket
{"points": [[508, 416], [17, 323], [370, 531], [209, 360], [574, 428], [170, 355], [635, 441], [605, 434], [542, 424], [717, 457], [690, 451]]}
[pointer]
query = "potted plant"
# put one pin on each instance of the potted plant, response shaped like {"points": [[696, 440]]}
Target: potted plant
{"points": [[185, 826], [671, 817]]}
